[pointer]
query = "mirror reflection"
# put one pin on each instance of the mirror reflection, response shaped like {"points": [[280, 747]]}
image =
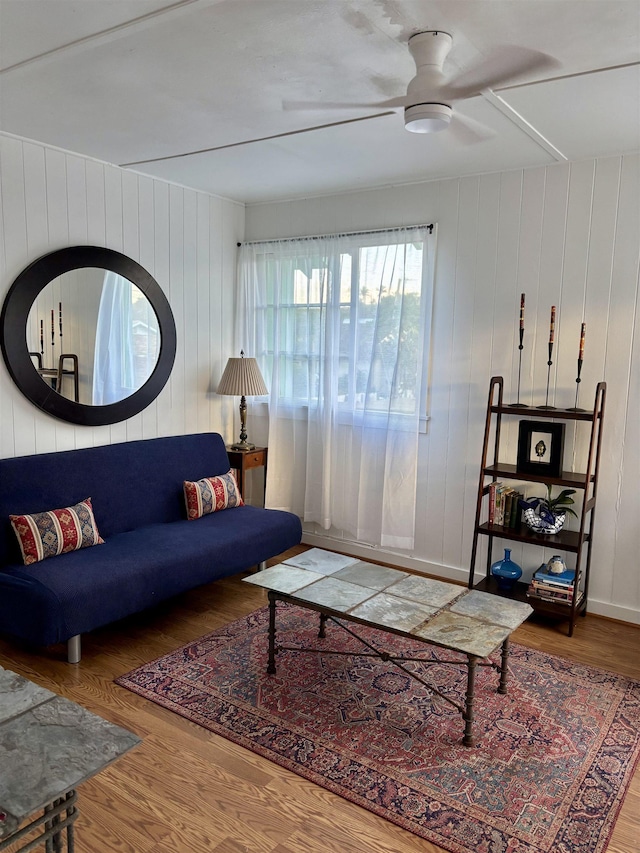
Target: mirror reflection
{"points": [[93, 336]]}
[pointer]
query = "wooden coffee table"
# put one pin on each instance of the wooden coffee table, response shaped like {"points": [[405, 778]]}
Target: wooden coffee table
{"points": [[344, 589]]}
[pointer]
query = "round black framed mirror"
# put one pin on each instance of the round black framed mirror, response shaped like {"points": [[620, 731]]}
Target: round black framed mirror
{"points": [[27, 363]]}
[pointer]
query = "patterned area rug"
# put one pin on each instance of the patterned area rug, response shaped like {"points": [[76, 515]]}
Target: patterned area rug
{"points": [[549, 772]]}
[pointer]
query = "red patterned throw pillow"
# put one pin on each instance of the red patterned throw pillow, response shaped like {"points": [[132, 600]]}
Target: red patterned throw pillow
{"points": [[47, 534], [211, 494]]}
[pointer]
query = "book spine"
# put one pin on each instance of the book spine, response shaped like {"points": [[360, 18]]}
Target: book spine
{"points": [[500, 504], [492, 501], [566, 592], [515, 510], [554, 580], [508, 500], [564, 600]]}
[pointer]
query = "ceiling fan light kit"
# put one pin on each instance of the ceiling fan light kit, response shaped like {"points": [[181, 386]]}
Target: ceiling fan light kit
{"points": [[427, 118]]}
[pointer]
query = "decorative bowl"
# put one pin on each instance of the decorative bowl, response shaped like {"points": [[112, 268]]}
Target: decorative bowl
{"points": [[546, 523]]}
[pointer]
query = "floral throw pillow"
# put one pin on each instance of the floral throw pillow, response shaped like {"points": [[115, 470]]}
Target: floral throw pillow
{"points": [[211, 494], [47, 534]]}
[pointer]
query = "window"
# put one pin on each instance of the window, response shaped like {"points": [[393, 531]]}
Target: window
{"points": [[345, 316]]}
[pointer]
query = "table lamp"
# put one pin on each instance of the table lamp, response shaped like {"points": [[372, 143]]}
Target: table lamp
{"points": [[242, 378]]}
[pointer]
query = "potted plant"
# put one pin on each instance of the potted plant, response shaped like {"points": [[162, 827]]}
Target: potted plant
{"points": [[548, 514]]}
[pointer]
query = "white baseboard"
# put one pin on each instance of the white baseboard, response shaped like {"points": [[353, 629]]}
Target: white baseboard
{"points": [[368, 552], [453, 573], [613, 611]]}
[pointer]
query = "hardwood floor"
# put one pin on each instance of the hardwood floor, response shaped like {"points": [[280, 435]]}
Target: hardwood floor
{"points": [[184, 790]]}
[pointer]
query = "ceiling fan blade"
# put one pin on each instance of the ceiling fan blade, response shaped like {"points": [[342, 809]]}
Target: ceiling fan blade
{"points": [[508, 65], [390, 103], [468, 130]]}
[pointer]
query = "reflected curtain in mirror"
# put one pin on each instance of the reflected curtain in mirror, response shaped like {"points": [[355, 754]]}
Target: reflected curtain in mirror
{"points": [[127, 340]]}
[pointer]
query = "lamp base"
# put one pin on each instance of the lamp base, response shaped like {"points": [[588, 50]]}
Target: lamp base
{"points": [[242, 445]]}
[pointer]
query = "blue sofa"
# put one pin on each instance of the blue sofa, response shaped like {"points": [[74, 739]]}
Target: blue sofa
{"points": [[151, 552]]}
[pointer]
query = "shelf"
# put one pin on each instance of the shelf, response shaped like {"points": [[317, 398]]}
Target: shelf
{"points": [[575, 542], [547, 414], [519, 593], [566, 540], [566, 478]]}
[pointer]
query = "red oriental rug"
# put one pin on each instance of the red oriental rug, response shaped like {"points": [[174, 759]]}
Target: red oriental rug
{"points": [[549, 772]]}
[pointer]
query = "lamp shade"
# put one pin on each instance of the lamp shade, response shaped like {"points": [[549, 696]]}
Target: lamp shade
{"points": [[242, 378]]}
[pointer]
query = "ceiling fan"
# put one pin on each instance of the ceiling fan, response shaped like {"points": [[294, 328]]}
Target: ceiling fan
{"points": [[428, 102]]}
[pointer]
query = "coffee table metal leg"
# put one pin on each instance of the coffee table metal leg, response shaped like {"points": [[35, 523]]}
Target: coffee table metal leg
{"points": [[323, 621], [468, 739], [271, 666], [502, 687]]}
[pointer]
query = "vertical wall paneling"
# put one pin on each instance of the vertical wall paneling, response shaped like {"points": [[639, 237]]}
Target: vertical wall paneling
{"points": [[190, 302], [620, 452], [219, 405], [597, 298], [503, 362], [30, 434], [176, 272], [482, 327], [131, 248], [433, 514], [57, 212], [541, 294], [76, 191], [96, 206], [51, 199], [147, 237], [461, 357], [567, 235], [35, 199], [202, 355], [57, 208]]}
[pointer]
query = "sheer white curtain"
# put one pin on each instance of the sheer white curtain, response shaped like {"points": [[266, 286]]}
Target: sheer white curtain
{"points": [[339, 325]]}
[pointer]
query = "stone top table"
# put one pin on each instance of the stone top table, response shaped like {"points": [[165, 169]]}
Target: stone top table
{"points": [[431, 611], [48, 746]]}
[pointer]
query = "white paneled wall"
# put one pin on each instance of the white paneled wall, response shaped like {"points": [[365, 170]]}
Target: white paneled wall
{"points": [[566, 235], [50, 199]]}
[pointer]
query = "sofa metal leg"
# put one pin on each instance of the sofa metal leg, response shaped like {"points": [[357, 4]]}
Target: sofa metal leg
{"points": [[74, 652], [262, 566]]}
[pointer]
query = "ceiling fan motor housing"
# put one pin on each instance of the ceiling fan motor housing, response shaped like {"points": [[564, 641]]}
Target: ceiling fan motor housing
{"points": [[430, 47], [423, 115]]}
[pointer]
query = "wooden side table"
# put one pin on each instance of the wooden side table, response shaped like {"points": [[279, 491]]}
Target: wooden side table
{"points": [[244, 460]]}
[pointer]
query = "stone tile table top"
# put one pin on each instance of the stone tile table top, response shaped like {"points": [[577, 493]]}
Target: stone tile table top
{"points": [[48, 746], [441, 613]]}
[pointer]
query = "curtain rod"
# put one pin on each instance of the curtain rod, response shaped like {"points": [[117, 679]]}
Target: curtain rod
{"points": [[341, 234]]}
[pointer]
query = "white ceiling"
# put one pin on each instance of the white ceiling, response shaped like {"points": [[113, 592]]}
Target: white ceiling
{"points": [[129, 81]]}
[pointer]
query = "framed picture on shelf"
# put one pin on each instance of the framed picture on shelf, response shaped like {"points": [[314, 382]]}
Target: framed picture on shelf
{"points": [[540, 446]]}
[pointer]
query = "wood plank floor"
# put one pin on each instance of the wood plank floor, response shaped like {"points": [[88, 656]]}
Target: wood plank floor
{"points": [[185, 790]]}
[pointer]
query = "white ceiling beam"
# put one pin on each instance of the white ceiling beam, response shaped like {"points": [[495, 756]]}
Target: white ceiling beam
{"points": [[112, 33], [500, 104]]}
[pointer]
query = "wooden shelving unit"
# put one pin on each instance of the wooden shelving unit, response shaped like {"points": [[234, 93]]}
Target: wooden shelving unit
{"points": [[576, 542]]}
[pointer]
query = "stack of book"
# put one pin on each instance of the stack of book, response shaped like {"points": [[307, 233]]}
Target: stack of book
{"points": [[550, 586], [504, 508]]}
